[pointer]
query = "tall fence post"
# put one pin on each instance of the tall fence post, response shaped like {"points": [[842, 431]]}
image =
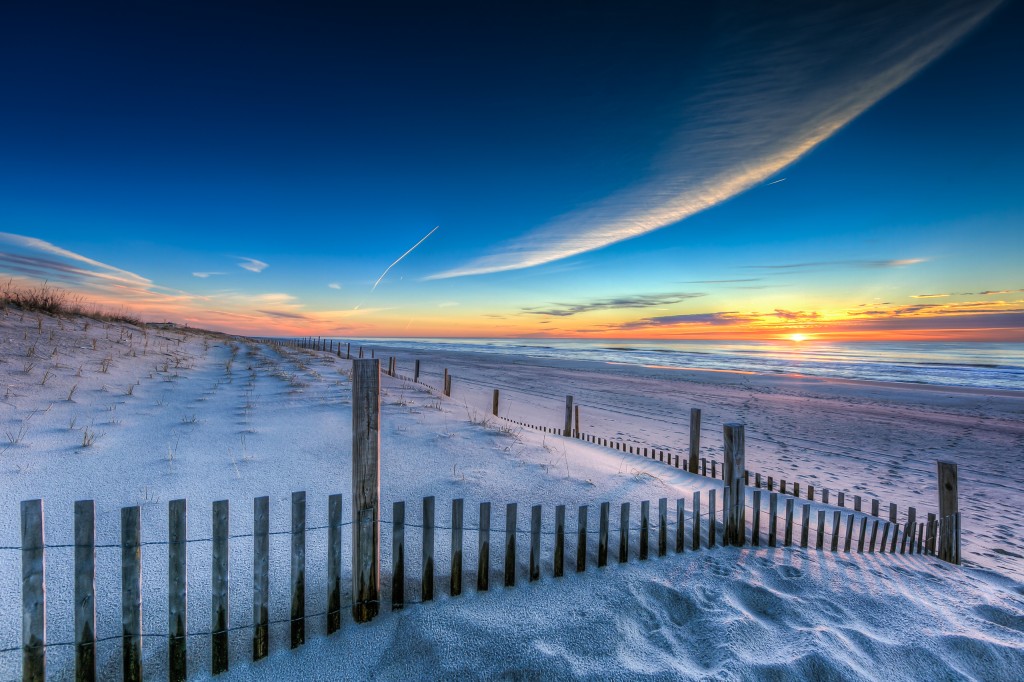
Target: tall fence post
{"points": [[535, 543], [733, 472], [694, 440], [334, 516], [398, 556], [131, 594], [511, 515], [220, 610], [567, 431], [949, 505], [416, 372], [576, 408], [581, 539], [33, 592], [427, 575], [365, 489], [260, 577], [455, 583], [494, 403], [483, 566], [298, 572], [85, 590], [177, 600]]}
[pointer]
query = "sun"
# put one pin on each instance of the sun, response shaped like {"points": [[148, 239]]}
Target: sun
{"points": [[797, 337]]}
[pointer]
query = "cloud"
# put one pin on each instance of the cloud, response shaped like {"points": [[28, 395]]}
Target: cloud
{"points": [[251, 264], [204, 275], [779, 84], [721, 318], [66, 265], [814, 265], [642, 301], [722, 281], [796, 315], [284, 314], [1004, 291], [334, 285], [448, 304]]}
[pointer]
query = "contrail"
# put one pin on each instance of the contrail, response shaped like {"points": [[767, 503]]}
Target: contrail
{"points": [[773, 182], [401, 257]]}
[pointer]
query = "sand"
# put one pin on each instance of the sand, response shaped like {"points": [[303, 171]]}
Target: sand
{"points": [[206, 417]]}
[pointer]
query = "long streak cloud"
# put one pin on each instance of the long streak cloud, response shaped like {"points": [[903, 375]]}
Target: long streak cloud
{"points": [[399, 259], [781, 83]]}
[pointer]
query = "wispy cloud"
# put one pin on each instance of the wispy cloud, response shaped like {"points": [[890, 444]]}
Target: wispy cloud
{"points": [[334, 285], [815, 265], [722, 281], [204, 275], [796, 315], [780, 84], [623, 302], [251, 264], [998, 293], [717, 319], [399, 259]]}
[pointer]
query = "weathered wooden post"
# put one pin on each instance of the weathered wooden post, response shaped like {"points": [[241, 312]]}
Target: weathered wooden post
{"points": [[694, 439], [177, 603], [260, 577], [949, 505], [398, 556], [298, 569], [559, 567], [33, 592], [220, 609], [131, 594], [365, 489], [577, 409], [427, 575], [447, 384], [602, 536], [85, 590], [483, 567], [581, 539], [511, 516], [733, 470], [348, 350], [494, 403], [334, 515], [455, 583], [567, 431], [535, 521]]}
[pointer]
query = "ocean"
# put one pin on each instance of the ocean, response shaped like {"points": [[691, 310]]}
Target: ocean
{"points": [[977, 365]]}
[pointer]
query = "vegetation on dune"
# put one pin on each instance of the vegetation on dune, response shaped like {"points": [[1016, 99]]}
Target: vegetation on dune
{"points": [[54, 301]]}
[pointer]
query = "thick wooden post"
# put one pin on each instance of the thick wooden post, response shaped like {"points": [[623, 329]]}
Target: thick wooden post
{"points": [[365, 489], [712, 511], [694, 439], [755, 528], [805, 524], [298, 573], [662, 526], [559, 568], [773, 518], [511, 515], [624, 533], [260, 577], [33, 592], [577, 417], [427, 579], [835, 530], [334, 516], [85, 591], [131, 594], [788, 539], [448, 384], [849, 533], [397, 556], [177, 595], [581, 539], [819, 540], [494, 403], [696, 521], [567, 431], [416, 372], [645, 527], [483, 566], [602, 536], [680, 527], [455, 583], [535, 543], [220, 610], [733, 468], [949, 504]]}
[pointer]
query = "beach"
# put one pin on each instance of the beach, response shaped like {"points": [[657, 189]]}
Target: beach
{"points": [[183, 414]]}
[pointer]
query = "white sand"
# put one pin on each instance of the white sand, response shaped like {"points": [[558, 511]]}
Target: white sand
{"points": [[271, 423]]}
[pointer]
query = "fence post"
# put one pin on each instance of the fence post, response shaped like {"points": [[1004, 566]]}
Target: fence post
{"points": [[455, 581], [298, 574], [805, 524], [444, 382], [511, 514], [645, 526], [773, 518], [220, 611], [348, 350], [568, 417], [949, 504], [447, 384], [334, 515], [602, 536], [733, 469], [260, 577], [365, 489], [397, 556], [559, 568], [131, 594], [483, 566], [494, 403], [788, 539], [755, 527], [581, 539], [427, 580], [680, 528], [416, 372], [577, 410], [696, 520], [624, 533], [835, 530], [712, 530], [85, 590], [694, 439], [33, 592], [177, 599], [820, 536], [662, 526], [535, 543]]}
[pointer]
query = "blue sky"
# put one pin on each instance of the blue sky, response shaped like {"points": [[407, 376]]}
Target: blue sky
{"points": [[872, 150]]}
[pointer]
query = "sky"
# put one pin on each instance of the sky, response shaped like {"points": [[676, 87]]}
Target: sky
{"points": [[728, 170]]}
